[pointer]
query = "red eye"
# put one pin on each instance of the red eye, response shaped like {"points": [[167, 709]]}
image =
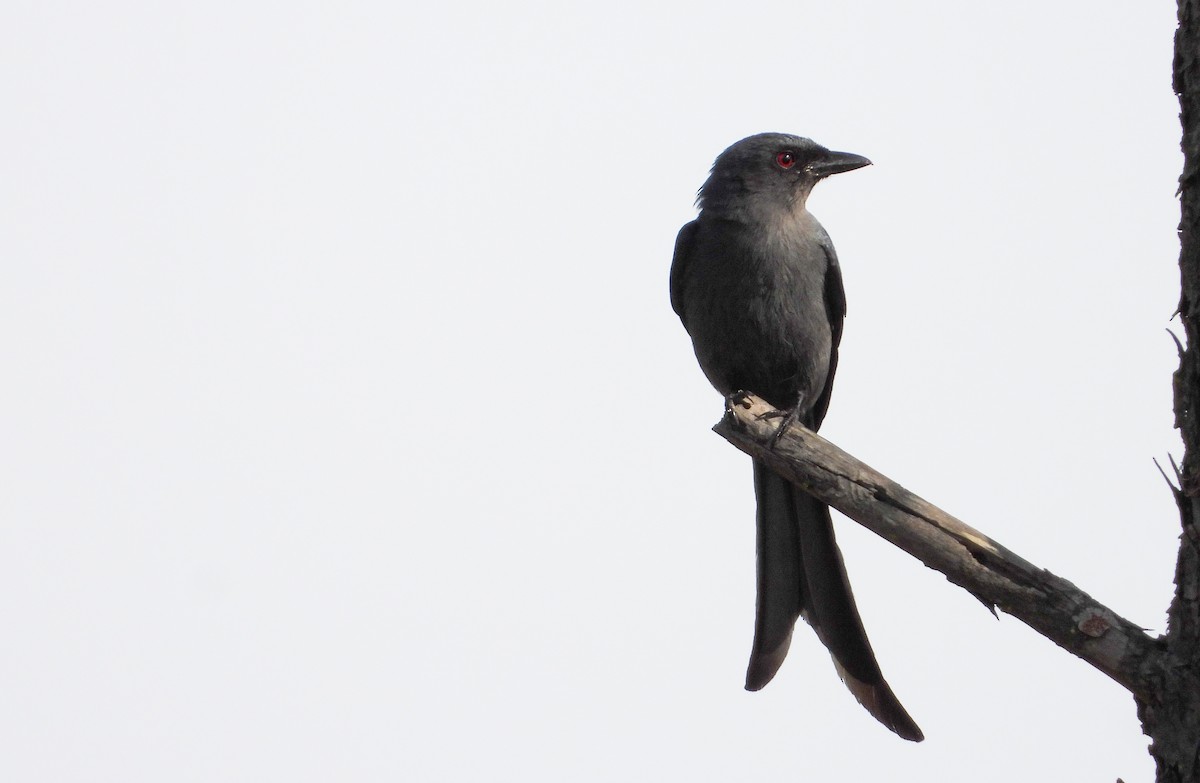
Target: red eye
{"points": [[785, 159]]}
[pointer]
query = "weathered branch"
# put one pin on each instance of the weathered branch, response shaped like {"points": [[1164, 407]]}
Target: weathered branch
{"points": [[996, 576]]}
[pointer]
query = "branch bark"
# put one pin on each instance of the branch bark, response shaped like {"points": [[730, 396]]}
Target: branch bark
{"points": [[995, 575]]}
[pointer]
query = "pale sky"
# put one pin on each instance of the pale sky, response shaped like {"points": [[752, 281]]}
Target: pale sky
{"points": [[347, 432]]}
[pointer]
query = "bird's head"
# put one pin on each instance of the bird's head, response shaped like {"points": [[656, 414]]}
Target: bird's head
{"points": [[769, 172]]}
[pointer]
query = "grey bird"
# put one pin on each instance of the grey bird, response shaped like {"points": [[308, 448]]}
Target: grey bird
{"points": [[756, 282]]}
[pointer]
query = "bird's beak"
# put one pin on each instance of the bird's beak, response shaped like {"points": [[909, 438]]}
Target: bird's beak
{"points": [[831, 162]]}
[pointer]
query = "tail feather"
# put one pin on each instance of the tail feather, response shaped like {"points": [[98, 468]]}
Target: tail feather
{"points": [[780, 579], [801, 573]]}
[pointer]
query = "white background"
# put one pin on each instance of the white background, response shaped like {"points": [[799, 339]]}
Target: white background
{"points": [[346, 432]]}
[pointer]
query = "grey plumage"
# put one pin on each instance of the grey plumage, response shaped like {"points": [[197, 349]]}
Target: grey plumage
{"points": [[756, 282]]}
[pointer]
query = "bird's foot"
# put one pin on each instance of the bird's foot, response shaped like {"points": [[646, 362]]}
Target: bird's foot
{"points": [[739, 398], [788, 417]]}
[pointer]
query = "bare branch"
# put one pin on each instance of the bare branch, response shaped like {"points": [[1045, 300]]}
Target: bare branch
{"points": [[995, 575]]}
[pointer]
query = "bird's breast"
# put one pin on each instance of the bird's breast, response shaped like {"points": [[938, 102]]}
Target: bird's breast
{"points": [[757, 313]]}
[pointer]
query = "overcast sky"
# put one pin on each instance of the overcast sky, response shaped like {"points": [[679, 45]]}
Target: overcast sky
{"points": [[347, 432]]}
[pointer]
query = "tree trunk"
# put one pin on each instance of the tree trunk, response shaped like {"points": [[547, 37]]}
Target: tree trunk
{"points": [[1171, 715]]}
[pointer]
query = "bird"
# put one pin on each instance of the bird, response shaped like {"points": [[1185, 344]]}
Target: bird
{"points": [[756, 282]]}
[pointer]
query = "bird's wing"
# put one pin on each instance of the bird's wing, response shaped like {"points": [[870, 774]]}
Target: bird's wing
{"points": [[683, 252], [835, 308]]}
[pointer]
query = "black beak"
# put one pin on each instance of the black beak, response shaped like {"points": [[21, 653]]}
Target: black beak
{"points": [[830, 162]]}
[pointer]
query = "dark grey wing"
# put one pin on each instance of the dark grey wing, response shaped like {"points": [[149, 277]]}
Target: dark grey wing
{"points": [[835, 308], [683, 253]]}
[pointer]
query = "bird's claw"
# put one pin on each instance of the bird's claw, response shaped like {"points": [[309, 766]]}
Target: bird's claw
{"points": [[742, 399], [739, 398], [789, 417]]}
